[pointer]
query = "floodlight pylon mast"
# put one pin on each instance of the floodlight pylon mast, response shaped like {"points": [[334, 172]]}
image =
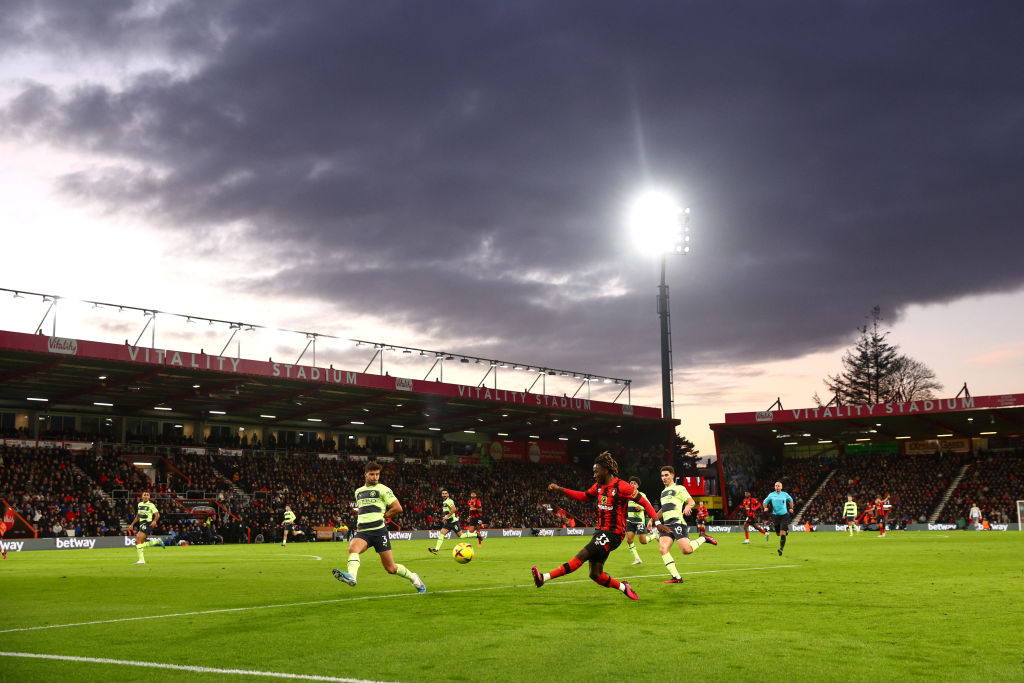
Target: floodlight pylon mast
{"points": [[667, 388]]}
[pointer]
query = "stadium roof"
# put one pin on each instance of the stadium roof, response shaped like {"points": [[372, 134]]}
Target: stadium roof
{"points": [[138, 381], [957, 418]]}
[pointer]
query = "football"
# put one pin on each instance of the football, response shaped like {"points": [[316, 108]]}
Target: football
{"points": [[462, 553]]}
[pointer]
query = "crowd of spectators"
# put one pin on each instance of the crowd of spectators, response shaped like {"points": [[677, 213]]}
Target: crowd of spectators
{"points": [[914, 485], [47, 491], [995, 482]]}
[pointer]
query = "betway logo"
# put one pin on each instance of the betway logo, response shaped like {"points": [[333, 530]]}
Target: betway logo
{"points": [[511, 532], [720, 529], [400, 535], [573, 531], [941, 527], [16, 546], [66, 543], [545, 532], [1000, 527], [129, 541], [62, 345]]}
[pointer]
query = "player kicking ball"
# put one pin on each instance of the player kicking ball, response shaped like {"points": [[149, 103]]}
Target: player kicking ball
{"points": [[612, 495]]}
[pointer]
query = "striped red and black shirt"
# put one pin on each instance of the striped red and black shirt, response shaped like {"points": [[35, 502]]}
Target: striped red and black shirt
{"points": [[476, 507], [612, 504]]}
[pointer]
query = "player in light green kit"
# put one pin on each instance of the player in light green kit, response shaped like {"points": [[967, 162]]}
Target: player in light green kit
{"points": [[288, 524], [146, 516], [636, 525], [850, 514], [676, 503], [450, 521], [376, 503]]}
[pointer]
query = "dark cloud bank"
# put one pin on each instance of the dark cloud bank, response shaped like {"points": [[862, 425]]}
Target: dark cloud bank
{"points": [[464, 167]]}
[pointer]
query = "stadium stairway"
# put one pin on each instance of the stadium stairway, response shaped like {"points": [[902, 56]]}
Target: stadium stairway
{"points": [[799, 516], [932, 518]]}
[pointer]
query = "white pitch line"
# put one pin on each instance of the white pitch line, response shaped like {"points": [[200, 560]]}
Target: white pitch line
{"points": [[182, 667], [367, 597]]}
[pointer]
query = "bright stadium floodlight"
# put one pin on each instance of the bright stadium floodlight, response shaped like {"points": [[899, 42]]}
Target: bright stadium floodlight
{"points": [[656, 223], [660, 226]]}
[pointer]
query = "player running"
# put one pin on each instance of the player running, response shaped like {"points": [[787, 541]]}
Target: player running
{"points": [[702, 518], [850, 514], [450, 522], [879, 510], [750, 506], [288, 524], [476, 517], [376, 504], [780, 504], [612, 495], [676, 504], [146, 516], [636, 525]]}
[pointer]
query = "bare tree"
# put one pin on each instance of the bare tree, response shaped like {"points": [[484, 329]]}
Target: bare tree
{"points": [[911, 380]]}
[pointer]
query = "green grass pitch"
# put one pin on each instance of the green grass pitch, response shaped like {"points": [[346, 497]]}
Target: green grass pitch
{"points": [[910, 606]]}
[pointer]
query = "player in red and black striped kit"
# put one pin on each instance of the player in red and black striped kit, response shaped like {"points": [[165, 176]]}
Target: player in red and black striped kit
{"points": [[750, 506], [476, 517], [613, 496], [702, 518]]}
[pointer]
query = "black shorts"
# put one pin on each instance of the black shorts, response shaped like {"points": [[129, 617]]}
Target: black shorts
{"points": [[751, 521], [602, 543], [377, 539], [289, 527], [144, 527], [476, 521], [451, 526], [850, 519], [677, 530], [637, 528], [780, 523]]}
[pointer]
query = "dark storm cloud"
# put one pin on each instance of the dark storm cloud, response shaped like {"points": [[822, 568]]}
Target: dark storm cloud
{"points": [[420, 160]]}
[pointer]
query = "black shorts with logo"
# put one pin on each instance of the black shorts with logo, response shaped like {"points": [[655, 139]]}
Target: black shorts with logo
{"points": [[602, 543], [476, 521], [144, 527], [451, 525], [637, 528], [289, 527], [850, 519], [677, 529], [780, 523], [377, 539]]}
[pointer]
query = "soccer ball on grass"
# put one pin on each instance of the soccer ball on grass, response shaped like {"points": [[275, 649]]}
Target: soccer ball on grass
{"points": [[462, 553]]}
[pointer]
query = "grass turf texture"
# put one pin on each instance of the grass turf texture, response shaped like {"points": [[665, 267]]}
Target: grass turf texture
{"points": [[912, 605]]}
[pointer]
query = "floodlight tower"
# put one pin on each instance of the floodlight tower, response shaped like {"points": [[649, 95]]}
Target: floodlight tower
{"points": [[661, 227]]}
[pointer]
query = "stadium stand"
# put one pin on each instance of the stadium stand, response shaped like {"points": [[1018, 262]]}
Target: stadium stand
{"points": [[995, 481]]}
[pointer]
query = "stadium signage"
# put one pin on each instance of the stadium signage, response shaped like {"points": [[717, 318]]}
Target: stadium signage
{"points": [[941, 527], [127, 353], [764, 416], [400, 535], [69, 543], [545, 532], [573, 531], [62, 345], [511, 532], [895, 408], [720, 529], [16, 546], [488, 394]]}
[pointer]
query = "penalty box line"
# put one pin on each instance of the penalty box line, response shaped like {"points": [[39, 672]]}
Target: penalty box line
{"points": [[183, 667], [364, 597]]}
